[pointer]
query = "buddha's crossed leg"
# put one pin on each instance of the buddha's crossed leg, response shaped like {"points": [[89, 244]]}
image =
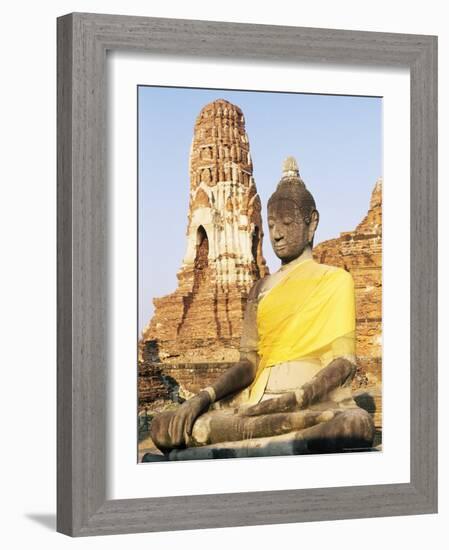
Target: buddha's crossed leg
{"points": [[222, 433]]}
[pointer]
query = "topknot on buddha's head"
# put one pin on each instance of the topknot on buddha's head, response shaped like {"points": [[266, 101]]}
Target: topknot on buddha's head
{"points": [[291, 187]]}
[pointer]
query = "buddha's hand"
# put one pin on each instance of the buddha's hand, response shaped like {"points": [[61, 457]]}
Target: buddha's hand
{"points": [[181, 424], [289, 402]]}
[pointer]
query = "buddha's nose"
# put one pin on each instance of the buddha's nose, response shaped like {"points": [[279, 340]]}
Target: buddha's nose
{"points": [[278, 236]]}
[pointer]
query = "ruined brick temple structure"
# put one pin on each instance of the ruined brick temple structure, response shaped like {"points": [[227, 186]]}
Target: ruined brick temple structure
{"points": [[360, 252], [201, 321]]}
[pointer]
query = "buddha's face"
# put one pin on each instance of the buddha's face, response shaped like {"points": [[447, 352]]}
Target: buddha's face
{"points": [[290, 235]]}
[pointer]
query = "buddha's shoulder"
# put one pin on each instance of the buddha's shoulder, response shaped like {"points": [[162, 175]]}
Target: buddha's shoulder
{"points": [[257, 288], [318, 271], [334, 272]]}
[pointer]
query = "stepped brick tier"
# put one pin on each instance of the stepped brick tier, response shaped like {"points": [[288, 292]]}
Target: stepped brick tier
{"points": [[202, 320], [360, 253]]}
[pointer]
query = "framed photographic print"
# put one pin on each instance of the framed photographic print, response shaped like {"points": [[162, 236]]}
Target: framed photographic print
{"points": [[247, 270], [209, 327]]}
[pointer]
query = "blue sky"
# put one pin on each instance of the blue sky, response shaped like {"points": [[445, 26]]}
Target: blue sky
{"points": [[336, 140]]}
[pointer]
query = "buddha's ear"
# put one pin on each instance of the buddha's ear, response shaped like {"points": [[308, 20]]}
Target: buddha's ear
{"points": [[313, 224]]}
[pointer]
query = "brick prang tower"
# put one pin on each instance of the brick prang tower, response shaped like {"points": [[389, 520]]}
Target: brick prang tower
{"points": [[202, 320]]}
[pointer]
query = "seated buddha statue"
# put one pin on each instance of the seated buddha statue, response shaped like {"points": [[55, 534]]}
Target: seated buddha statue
{"points": [[290, 392]]}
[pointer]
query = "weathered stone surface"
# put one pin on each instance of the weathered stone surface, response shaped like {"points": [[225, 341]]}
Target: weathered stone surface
{"points": [[360, 253], [202, 319], [224, 425]]}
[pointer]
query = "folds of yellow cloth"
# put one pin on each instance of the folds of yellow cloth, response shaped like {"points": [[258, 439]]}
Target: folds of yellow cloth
{"points": [[310, 313]]}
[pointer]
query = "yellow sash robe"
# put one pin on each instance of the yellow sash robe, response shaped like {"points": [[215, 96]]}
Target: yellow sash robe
{"points": [[309, 313]]}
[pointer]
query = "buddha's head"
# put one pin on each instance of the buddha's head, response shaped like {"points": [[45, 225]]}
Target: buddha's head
{"points": [[292, 215]]}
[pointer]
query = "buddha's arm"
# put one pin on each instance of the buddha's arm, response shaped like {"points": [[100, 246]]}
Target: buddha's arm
{"points": [[339, 372], [180, 426], [242, 374], [236, 378]]}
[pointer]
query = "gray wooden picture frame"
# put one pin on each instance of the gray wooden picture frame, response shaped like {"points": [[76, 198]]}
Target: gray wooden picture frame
{"points": [[83, 40]]}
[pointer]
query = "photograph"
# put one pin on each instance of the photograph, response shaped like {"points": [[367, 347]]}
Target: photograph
{"points": [[259, 273], [247, 274]]}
